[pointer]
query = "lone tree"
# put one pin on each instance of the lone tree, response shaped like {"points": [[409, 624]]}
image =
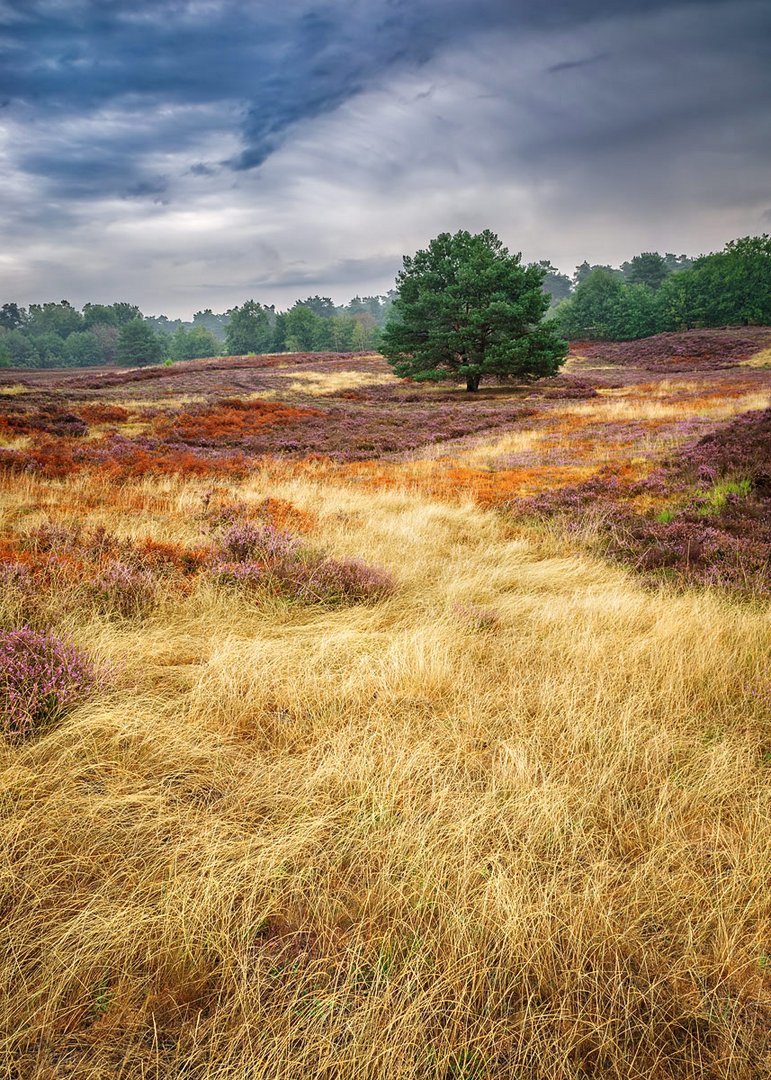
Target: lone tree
{"points": [[468, 308]]}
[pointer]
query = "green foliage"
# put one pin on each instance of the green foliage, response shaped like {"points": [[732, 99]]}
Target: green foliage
{"points": [[734, 285], [718, 495], [304, 329], [249, 330], [22, 350], [467, 308], [61, 319], [138, 344], [83, 349], [365, 332], [117, 314], [592, 311], [649, 269], [636, 315], [107, 338], [50, 350], [729, 287], [319, 305], [215, 324], [193, 344], [555, 284], [377, 307], [674, 263], [12, 316], [583, 271]]}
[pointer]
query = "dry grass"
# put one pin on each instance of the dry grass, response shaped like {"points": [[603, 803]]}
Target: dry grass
{"points": [[761, 359], [321, 383], [395, 841]]}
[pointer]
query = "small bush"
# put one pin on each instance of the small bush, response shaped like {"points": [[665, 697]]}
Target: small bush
{"points": [[260, 543], [333, 581], [41, 677], [245, 574], [123, 591]]}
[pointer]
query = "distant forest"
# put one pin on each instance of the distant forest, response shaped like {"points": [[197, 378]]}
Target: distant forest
{"points": [[648, 294]]}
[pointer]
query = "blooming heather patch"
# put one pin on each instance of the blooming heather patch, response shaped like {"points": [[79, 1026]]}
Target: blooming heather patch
{"points": [[123, 591], [247, 575], [332, 581], [260, 543], [689, 351], [41, 677], [709, 509], [254, 555]]}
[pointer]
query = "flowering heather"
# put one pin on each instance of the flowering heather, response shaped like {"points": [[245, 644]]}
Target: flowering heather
{"points": [[331, 581], [41, 677], [253, 554], [740, 447], [259, 543], [689, 351], [715, 528], [19, 419], [248, 575], [122, 590]]}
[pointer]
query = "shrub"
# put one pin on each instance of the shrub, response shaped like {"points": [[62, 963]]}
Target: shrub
{"points": [[331, 581], [41, 677], [123, 591], [263, 543], [245, 574]]}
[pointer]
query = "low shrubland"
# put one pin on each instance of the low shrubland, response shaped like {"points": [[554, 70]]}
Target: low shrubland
{"points": [[378, 768]]}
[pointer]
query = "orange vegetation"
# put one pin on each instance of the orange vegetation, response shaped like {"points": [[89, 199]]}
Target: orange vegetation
{"points": [[285, 515], [229, 419], [103, 413]]}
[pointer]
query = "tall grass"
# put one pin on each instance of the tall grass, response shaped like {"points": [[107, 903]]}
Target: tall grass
{"points": [[395, 841]]}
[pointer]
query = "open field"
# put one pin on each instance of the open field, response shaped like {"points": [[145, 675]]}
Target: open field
{"points": [[429, 733]]}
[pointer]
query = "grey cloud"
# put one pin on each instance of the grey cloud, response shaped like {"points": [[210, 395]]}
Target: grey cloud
{"points": [[266, 151], [568, 65]]}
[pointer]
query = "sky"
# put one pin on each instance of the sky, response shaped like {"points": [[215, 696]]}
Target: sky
{"points": [[183, 154]]}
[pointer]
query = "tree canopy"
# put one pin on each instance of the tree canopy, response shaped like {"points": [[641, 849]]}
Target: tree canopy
{"points": [[249, 329], [467, 309], [138, 344]]}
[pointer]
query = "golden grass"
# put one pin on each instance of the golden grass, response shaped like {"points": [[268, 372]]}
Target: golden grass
{"points": [[382, 842], [320, 383], [719, 405], [761, 359]]}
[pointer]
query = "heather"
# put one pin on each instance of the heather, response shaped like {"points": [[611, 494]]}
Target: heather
{"points": [[41, 678], [708, 517], [693, 350], [405, 769]]}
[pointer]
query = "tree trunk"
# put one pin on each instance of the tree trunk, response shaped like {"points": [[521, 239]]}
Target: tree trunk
{"points": [[472, 382]]}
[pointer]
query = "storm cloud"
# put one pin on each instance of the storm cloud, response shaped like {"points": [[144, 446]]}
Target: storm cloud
{"points": [[193, 152]]}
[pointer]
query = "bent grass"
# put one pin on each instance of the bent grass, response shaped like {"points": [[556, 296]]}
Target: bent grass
{"points": [[377, 842]]}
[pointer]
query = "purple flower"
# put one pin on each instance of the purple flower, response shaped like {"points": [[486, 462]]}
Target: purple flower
{"points": [[41, 677]]}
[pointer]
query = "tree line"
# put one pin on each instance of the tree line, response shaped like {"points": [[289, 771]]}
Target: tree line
{"points": [[57, 334], [646, 295], [654, 293]]}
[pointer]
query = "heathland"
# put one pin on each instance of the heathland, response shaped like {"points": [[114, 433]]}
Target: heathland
{"points": [[386, 731]]}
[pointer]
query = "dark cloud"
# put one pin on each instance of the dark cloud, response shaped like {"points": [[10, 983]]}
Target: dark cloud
{"points": [[568, 65], [284, 64], [270, 147]]}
